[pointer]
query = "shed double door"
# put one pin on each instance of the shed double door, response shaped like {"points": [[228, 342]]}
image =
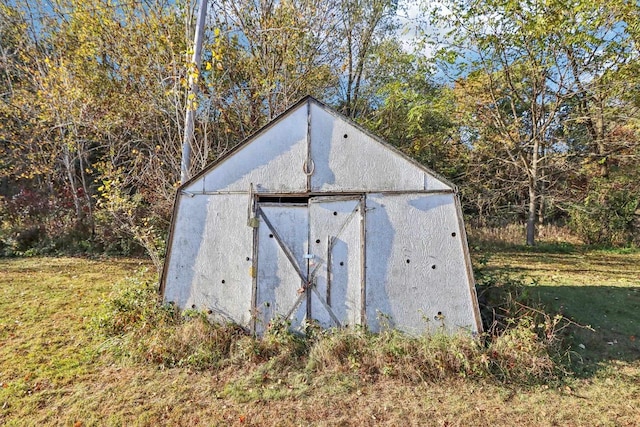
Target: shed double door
{"points": [[309, 262]]}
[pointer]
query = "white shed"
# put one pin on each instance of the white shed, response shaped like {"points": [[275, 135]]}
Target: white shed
{"points": [[313, 218]]}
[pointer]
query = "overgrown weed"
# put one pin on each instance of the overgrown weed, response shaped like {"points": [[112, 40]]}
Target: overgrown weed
{"points": [[521, 343], [138, 326], [517, 356]]}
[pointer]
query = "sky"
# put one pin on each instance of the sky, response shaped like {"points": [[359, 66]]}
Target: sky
{"points": [[409, 15]]}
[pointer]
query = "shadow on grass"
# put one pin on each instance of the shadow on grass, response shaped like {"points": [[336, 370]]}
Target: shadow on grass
{"points": [[581, 266], [540, 247], [611, 312], [595, 287]]}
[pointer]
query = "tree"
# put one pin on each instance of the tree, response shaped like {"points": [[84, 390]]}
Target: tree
{"points": [[260, 58], [93, 95], [363, 27], [100, 101], [522, 65], [411, 111]]}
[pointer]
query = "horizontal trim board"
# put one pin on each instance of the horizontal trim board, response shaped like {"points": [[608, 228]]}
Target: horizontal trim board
{"points": [[316, 194]]}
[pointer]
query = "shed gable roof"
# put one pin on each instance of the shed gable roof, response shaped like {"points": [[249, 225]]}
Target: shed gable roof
{"points": [[313, 148]]}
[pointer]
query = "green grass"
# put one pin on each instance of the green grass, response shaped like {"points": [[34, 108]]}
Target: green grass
{"points": [[596, 288], [46, 305], [54, 369]]}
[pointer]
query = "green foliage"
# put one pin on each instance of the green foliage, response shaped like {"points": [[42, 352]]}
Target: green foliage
{"points": [[418, 116], [134, 305], [89, 96], [517, 355], [542, 88], [498, 295], [608, 215], [31, 223], [122, 217], [515, 321], [92, 95]]}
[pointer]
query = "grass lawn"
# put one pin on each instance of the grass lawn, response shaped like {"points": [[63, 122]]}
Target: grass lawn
{"points": [[53, 372], [596, 288]]}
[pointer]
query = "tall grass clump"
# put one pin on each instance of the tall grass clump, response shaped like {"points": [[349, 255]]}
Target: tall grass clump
{"points": [[520, 344], [523, 342], [518, 355], [138, 326], [279, 350]]}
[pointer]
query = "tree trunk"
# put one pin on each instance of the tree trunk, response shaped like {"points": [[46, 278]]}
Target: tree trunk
{"points": [[541, 208], [533, 193], [4, 186], [531, 219], [86, 192], [603, 161], [70, 169]]}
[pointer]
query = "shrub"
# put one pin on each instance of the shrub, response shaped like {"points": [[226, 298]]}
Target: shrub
{"points": [[32, 222], [134, 306], [607, 216]]}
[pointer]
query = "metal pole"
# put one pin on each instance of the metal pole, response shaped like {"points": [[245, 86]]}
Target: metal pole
{"points": [[194, 74]]}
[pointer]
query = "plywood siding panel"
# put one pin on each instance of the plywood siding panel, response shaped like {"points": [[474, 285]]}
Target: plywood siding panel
{"points": [[416, 272], [273, 161], [348, 159], [209, 262]]}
